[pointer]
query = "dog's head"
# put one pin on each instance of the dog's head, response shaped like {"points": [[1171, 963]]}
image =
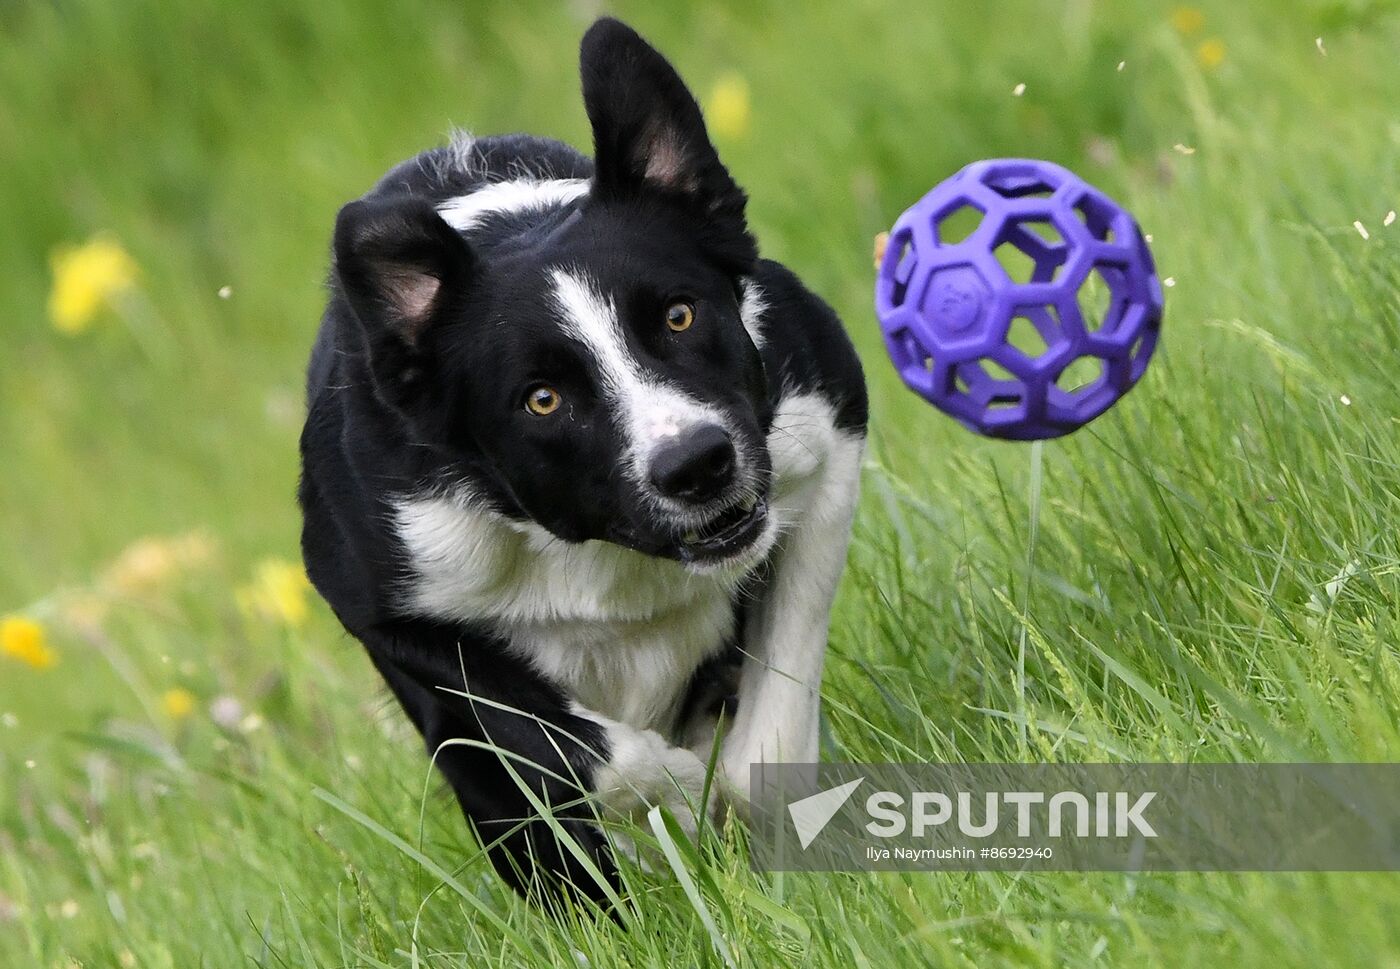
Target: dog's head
{"points": [[589, 370]]}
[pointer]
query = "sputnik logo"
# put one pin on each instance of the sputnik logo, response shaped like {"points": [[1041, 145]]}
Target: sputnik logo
{"points": [[813, 813]]}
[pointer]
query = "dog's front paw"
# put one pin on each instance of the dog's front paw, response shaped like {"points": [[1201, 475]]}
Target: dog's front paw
{"points": [[644, 770]]}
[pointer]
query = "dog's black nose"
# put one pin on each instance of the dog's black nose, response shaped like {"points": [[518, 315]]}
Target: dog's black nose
{"points": [[696, 465]]}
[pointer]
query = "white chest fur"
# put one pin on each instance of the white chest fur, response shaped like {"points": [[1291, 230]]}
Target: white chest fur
{"points": [[621, 632]]}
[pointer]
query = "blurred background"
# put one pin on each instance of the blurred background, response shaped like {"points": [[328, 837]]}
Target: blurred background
{"points": [[1207, 572]]}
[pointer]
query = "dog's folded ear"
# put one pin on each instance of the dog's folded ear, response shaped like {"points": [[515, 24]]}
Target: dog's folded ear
{"points": [[400, 266], [649, 134]]}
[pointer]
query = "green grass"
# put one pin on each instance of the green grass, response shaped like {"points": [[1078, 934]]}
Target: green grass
{"points": [[1210, 572]]}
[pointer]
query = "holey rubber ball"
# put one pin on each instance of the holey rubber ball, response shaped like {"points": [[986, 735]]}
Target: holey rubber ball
{"points": [[1018, 299]]}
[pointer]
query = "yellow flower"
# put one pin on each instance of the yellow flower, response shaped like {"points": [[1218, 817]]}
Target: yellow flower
{"points": [[25, 640], [141, 566], [727, 107], [1187, 20], [278, 592], [1211, 53], [147, 563], [86, 278], [178, 703]]}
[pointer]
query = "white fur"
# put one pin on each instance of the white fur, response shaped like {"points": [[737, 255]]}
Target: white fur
{"points": [[459, 155], [751, 310], [644, 769], [621, 631], [465, 211]]}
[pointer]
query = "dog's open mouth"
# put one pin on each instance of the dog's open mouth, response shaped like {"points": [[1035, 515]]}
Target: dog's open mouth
{"points": [[726, 534]]}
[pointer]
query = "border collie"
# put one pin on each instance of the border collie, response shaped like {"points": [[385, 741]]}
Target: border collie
{"points": [[579, 469]]}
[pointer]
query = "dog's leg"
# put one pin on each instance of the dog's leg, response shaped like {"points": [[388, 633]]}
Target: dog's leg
{"points": [[497, 731], [506, 741], [786, 630]]}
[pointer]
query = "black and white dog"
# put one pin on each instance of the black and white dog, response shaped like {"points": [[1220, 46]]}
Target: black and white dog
{"points": [[572, 448]]}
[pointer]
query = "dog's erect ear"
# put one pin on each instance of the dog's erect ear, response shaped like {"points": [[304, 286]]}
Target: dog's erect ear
{"points": [[648, 133], [400, 266]]}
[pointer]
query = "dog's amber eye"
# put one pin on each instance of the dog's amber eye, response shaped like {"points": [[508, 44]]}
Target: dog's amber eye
{"points": [[542, 401], [679, 316]]}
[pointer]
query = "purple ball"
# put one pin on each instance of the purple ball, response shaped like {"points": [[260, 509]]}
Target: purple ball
{"points": [[1030, 324]]}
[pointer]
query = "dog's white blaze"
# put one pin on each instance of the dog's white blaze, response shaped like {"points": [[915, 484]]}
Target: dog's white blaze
{"points": [[652, 411], [590, 317], [493, 198]]}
